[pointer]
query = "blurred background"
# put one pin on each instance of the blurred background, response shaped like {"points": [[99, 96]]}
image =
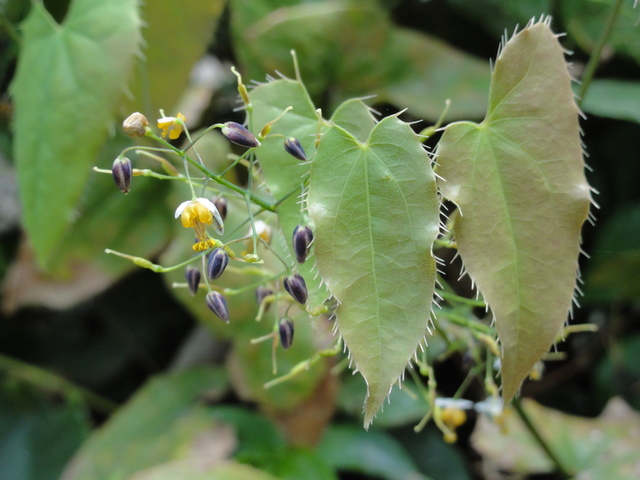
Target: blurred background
{"points": [[107, 372]]}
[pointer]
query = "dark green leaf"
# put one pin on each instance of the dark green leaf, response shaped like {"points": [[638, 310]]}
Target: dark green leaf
{"points": [[613, 99]]}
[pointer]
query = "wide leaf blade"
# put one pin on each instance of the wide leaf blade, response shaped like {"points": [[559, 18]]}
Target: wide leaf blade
{"points": [[375, 210], [67, 84], [518, 181]]}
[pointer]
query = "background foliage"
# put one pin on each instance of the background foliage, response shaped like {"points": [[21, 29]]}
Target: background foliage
{"points": [[100, 359]]}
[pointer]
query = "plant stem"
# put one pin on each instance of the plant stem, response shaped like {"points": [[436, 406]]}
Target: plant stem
{"points": [[50, 382], [596, 53], [539, 440]]}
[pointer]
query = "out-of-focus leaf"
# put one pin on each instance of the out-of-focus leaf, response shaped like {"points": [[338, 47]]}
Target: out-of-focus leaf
{"points": [[586, 20], [351, 47], [284, 174], [176, 36], [518, 181], [158, 424], [375, 210], [139, 222], [614, 269], [250, 365], [613, 99], [402, 409], [604, 447], [194, 471], [68, 82], [496, 15], [372, 453], [31, 446], [432, 455], [301, 463], [421, 73], [618, 373]]}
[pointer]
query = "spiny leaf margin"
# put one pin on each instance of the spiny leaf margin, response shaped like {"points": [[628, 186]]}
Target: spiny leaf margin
{"points": [[518, 180], [375, 209]]}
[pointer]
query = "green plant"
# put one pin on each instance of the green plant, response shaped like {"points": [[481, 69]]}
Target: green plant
{"points": [[361, 196]]}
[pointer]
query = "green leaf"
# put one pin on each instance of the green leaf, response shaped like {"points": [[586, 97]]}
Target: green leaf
{"points": [[373, 453], [422, 72], [355, 117], [176, 37], [375, 210], [31, 446], [68, 82], [617, 99], [283, 174], [518, 181], [158, 424], [353, 48], [586, 20], [195, 471]]}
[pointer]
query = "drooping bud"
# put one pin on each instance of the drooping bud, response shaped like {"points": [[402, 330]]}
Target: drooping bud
{"points": [[239, 135], [218, 260], [222, 205], [297, 288], [293, 147], [285, 328], [192, 274], [301, 240], [122, 172], [262, 292], [218, 305], [135, 125]]}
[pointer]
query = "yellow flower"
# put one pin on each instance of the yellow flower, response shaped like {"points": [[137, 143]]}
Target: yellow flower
{"points": [[199, 213], [171, 127]]}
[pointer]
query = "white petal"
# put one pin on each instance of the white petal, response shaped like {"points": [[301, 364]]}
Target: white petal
{"points": [[218, 224], [181, 208]]}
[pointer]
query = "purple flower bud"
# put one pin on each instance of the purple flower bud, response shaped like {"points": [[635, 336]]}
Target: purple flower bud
{"points": [[239, 135], [221, 204], [218, 260], [218, 305], [301, 240], [297, 288], [192, 274], [293, 147], [122, 172], [285, 328], [262, 292]]}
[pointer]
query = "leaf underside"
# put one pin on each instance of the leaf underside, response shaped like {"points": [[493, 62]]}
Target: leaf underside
{"points": [[518, 181], [284, 174], [375, 210], [68, 82]]}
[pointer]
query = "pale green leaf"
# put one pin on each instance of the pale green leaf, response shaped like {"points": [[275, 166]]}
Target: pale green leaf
{"points": [[157, 425], [518, 181], [375, 210], [68, 82], [284, 175]]}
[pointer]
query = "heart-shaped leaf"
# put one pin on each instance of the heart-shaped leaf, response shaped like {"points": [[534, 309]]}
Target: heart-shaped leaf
{"points": [[375, 211], [66, 88], [518, 181]]}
